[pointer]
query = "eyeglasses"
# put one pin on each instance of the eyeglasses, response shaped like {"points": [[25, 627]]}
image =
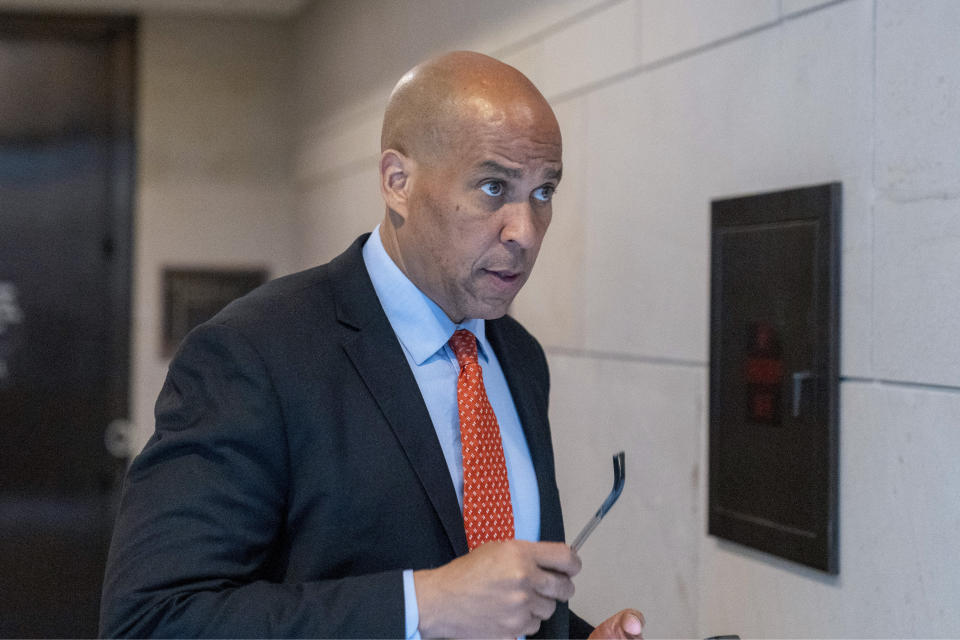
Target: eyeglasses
{"points": [[618, 479]]}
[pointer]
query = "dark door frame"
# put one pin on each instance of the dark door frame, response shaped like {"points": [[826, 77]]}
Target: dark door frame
{"points": [[116, 34], [121, 31]]}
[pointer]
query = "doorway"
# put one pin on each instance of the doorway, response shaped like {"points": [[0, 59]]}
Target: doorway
{"points": [[66, 184]]}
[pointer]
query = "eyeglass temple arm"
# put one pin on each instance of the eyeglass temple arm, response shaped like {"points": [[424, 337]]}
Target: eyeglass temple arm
{"points": [[619, 477]]}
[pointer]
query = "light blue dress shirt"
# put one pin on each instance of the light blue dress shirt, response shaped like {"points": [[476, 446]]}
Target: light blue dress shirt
{"points": [[423, 330]]}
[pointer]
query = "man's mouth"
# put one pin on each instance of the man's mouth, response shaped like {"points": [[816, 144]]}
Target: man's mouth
{"points": [[504, 276]]}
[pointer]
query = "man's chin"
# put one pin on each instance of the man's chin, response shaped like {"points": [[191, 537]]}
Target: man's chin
{"points": [[484, 304], [493, 311]]}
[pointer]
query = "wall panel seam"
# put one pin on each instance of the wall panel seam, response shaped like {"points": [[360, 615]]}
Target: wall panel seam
{"points": [[903, 384], [590, 354], [623, 357], [541, 34], [666, 61]]}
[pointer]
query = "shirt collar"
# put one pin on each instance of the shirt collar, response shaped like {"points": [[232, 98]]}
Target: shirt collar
{"points": [[419, 323]]}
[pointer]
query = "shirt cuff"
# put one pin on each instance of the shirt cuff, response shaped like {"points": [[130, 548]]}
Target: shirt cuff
{"points": [[411, 611]]}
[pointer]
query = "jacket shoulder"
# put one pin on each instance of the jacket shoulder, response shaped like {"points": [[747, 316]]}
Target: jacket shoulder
{"points": [[510, 334], [307, 296]]}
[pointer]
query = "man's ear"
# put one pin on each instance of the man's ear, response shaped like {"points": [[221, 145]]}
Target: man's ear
{"points": [[395, 170]]}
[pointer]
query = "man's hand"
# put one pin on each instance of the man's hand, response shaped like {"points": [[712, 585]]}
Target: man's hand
{"points": [[500, 589], [626, 624]]}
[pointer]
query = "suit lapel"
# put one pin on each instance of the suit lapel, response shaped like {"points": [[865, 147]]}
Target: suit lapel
{"points": [[530, 399], [378, 357], [530, 390]]}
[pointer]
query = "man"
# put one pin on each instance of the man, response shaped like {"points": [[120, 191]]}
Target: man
{"points": [[306, 477]]}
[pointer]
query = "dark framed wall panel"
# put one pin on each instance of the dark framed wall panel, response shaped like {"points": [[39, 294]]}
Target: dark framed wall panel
{"points": [[193, 295], [774, 372]]}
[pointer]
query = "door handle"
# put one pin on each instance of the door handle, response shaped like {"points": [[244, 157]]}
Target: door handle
{"points": [[118, 438], [799, 380]]}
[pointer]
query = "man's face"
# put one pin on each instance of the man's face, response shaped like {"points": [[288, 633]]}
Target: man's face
{"points": [[479, 210]]}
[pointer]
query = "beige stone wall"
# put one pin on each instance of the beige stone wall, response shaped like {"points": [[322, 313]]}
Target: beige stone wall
{"points": [[665, 105], [214, 184]]}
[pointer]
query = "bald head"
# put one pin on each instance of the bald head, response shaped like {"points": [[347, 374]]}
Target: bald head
{"points": [[471, 155], [432, 108]]}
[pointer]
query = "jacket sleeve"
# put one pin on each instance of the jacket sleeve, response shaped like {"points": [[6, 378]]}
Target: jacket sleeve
{"points": [[197, 545], [579, 628]]}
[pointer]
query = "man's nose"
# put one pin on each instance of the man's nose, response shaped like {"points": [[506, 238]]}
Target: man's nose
{"points": [[521, 225]]}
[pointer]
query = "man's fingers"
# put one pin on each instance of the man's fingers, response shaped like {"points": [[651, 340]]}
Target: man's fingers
{"points": [[631, 621], [556, 586], [556, 556], [627, 624], [501, 588], [540, 607], [532, 627]]}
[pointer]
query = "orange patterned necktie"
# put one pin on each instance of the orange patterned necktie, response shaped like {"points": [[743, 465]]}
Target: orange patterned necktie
{"points": [[487, 513]]}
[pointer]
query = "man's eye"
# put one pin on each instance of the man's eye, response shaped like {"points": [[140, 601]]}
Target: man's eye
{"points": [[494, 189], [544, 194]]}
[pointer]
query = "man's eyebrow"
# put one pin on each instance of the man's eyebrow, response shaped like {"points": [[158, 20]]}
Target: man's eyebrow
{"points": [[514, 173], [496, 167]]}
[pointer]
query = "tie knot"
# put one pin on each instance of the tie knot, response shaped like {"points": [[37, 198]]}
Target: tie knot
{"points": [[464, 345]]}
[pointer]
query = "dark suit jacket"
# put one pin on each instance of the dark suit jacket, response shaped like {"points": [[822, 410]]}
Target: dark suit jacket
{"points": [[295, 472]]}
